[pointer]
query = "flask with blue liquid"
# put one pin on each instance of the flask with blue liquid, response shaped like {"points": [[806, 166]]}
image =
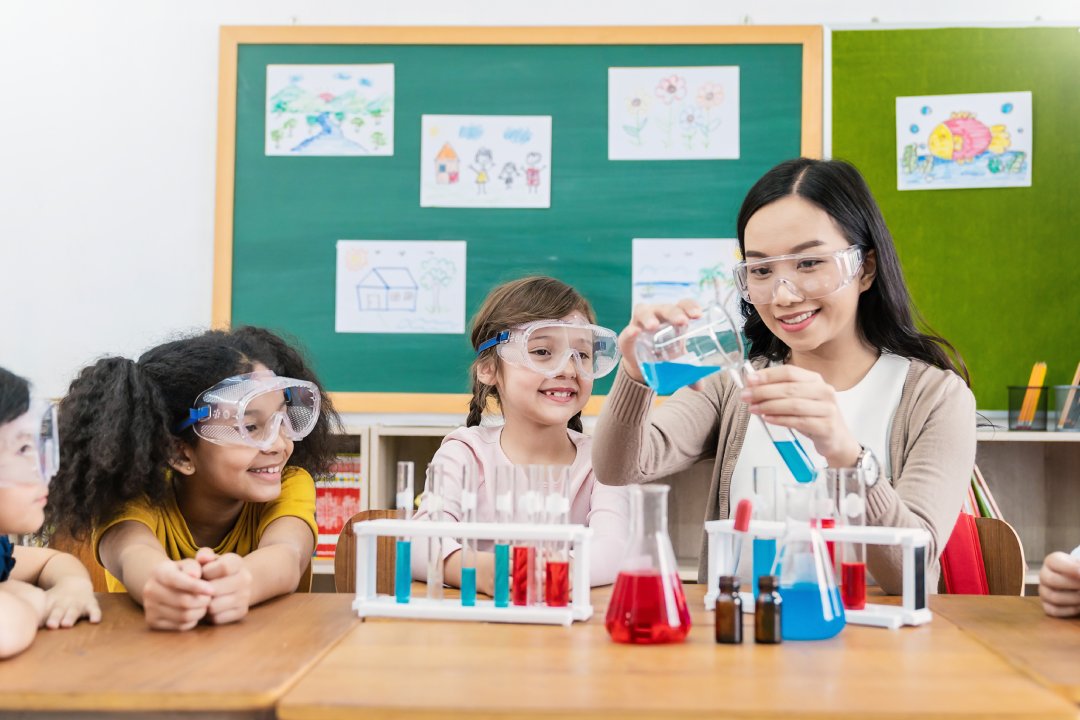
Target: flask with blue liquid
{"points": [[813, 609], [676, 356]]}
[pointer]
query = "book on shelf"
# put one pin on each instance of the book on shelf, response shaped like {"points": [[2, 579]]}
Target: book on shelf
{"points": [[339, 495]]}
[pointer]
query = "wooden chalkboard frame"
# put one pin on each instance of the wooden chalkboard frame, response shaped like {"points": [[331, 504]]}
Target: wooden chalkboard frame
{"points": [[810, 37]]}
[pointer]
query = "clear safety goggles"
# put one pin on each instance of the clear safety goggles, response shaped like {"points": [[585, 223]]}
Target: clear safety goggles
{"points": [[31, 446], [253, 409], [805, 276], [546, 346]]}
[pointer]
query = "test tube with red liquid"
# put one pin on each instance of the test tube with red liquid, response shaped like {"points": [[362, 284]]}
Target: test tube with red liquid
{"points": [[523, 587], [557, 552], [850, 484]]}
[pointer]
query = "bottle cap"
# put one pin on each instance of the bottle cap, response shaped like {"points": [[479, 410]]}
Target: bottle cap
{"points": [[729, 583], [768, 583]]}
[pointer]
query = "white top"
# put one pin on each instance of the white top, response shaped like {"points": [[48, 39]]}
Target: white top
{"points": [[867, 408]]}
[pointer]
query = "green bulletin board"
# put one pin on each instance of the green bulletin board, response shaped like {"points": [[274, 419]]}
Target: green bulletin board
{"points": [[995, 271], [279, 218]]}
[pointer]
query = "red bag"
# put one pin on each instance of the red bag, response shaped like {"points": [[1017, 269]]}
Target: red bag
{"points": [[962, 562]]}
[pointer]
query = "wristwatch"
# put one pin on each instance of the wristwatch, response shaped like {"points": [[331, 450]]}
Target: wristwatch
{"points": [[868, 463]]}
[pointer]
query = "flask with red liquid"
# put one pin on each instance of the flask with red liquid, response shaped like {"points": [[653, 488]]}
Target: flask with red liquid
{"points": [[648, 605]]}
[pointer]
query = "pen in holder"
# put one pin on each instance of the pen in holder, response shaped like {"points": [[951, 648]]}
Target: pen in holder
{"points": [[1027, 407], [1067, 402]]}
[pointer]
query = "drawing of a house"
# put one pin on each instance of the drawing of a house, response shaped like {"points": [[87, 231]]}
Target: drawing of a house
{"points": [[387, 288], [447, 166]]}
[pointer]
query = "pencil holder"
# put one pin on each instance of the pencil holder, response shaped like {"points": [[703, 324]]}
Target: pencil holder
{"points": [[1027, 407], [1067, 404]]}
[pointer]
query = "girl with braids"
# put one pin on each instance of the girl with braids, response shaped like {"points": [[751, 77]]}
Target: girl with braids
{"points": [[840, 358], [38, 586], [192, 470], [537, 354]]}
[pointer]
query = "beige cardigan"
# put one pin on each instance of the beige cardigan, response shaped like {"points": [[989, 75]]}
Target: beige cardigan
{"points": [[931, 449]]}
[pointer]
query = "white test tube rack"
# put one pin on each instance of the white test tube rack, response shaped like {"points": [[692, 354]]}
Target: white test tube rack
{"points": [[913, 542], [369, 603]]}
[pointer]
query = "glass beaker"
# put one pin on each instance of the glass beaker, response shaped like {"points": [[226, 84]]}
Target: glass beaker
{"points": [[648, 605], [849, 488], [673, 357], [812, 606]]}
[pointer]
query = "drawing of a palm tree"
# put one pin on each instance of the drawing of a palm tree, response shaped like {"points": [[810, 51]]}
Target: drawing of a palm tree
{"points": [[718, 279]]}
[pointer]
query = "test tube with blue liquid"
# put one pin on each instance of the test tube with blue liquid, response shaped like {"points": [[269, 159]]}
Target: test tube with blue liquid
{"points": [[469, 486], [403, 550], [764, 509], [504, 514], [675, 356], [433, 500]]}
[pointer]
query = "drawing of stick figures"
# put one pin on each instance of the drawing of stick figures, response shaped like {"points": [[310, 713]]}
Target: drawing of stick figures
{"points": [[532, 171], [484, 160], [508, 173]]}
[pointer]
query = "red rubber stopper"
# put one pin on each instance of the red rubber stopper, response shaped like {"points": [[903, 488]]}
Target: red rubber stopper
{"points": [[742, 515]]}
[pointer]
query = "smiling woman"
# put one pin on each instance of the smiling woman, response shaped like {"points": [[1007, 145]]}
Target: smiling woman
{"points": [[839, 359], [200, 501]]}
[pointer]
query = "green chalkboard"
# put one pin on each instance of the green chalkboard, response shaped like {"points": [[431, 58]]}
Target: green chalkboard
{"points": [[287, 213], [996, 271]]}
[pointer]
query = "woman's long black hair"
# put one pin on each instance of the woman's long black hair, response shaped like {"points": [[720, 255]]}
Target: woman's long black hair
{"points": [[886, 316], [116, 421]]}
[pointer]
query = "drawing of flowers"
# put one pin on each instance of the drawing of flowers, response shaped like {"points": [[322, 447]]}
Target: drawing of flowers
{"points": [[690, 122], [670, 90], [637, 106], [709, 95]]}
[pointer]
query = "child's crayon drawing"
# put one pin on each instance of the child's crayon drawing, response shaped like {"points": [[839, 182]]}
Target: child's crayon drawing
{"points": [[330, 110], [671, 269], [400, 286], [485, 161], [673, 113], [980, 140]]}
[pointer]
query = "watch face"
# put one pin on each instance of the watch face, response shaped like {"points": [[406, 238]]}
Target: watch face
{"points": [[868, 463]]}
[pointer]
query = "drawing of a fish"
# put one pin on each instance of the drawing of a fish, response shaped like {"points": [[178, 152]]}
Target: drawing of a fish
{"points": [[961, 138]]}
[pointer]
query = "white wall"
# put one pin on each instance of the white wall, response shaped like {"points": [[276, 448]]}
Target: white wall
{"points": [[107, 133]]}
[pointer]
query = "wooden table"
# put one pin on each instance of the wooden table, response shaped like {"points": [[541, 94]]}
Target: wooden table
{"points": [[429, 670], [1017, 629], [238, 670]]}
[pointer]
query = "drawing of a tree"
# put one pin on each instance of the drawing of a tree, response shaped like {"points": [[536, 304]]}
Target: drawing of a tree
{"points": [[435, 274], [717, 278]]}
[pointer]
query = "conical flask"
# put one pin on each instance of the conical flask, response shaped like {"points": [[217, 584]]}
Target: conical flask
{"points": [[648, 605], [812, 606]]}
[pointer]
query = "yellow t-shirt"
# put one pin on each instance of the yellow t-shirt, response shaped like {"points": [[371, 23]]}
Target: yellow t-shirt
{"points": [[297, 499]]}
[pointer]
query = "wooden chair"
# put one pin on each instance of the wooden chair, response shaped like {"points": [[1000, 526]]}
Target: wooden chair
{"points": [[345, 554], [1003, 556]]}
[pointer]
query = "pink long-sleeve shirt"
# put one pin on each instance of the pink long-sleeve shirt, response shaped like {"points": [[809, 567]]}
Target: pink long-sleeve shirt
{"points": [[604, 508]]}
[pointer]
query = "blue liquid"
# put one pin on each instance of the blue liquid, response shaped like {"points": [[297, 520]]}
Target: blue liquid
{"points": [[764, 556], [468, 587], [796, 459], [803, 618], [667, 377], [502, 575], [403, 570]]}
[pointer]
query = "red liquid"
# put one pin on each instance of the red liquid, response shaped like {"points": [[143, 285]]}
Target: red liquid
{"points": [[638, 611], [828, 523], [557, 584], [853, 585], [523, 568]]}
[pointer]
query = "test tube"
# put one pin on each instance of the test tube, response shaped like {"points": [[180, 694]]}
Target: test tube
{"points": [[557, 555], [523, 589], [434, 501], [764, 509], [504, 515], [403, 554], [469, 486], [851, 504], [783, 439]]}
